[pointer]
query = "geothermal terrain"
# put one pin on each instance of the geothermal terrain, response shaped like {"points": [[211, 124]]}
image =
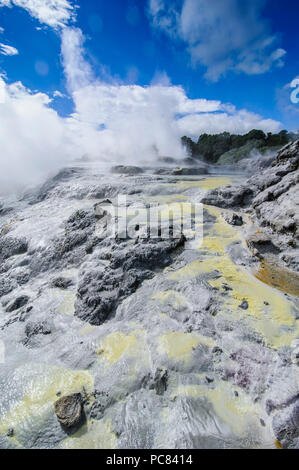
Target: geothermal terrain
{"points": [[141, 342]]}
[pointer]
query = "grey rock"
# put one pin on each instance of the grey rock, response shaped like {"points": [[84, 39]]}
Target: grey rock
{"points": [[35, 328], [7, 285], [190, 171], [262, 243], [126, 170], [182, 171], [62, 283], [10, 246], [244, 305], [286, 426], [17, 303], [272, 197], [4, 210], [99, 293], [102, 401], [159, 382], [69, 410], [234, 219]]}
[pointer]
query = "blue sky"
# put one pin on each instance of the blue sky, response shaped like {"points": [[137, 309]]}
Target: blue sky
{"points": [[130, 77], [120, 36]]}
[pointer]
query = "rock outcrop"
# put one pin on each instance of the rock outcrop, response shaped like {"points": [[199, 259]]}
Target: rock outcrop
{"points": [[69, 410], [272, 197]]}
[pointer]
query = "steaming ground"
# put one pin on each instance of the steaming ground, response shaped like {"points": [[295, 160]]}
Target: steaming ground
{"points": [[150, 332]]}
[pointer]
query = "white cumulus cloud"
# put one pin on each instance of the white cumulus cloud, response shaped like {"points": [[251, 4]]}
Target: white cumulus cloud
{"points": [[220, 35], [54, 13], [34, 140], [135, 119]]}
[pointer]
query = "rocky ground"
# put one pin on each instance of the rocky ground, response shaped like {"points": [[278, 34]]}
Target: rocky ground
{"points": [[140, 342], [271, 197]]}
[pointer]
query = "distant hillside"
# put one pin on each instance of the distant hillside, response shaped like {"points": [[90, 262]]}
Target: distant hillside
{"points": [[233, 147]]}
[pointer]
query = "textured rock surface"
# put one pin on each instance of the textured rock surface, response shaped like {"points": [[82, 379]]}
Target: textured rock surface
{"points": [[104, 287], [273, 198], [153, 334], [69, 410], [126, 170]]}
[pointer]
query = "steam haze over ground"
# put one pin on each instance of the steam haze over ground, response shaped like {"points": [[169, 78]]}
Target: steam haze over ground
{"points": [[112, 120]]}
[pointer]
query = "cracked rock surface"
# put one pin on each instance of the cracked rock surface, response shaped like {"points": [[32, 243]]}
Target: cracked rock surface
{"points": [[142, 342]]}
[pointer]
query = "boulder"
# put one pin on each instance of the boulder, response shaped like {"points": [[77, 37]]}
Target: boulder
{"points": [[17, 303], [61, 282], [69, 410], [126, 170], [234, 219]]}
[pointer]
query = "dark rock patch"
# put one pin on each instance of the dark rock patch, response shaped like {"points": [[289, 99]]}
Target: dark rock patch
{"points": [[192, 171], [17, 303], [101, 291], [262, 243], [12, 246], [244, 305], [101, 403], [69, 410], [61, 282], [33, 329], [234, 219], [126, 170], [160, 381]]}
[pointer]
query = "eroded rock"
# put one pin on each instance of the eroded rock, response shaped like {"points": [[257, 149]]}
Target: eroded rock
{"points": [[126, 170], [286, 426], [17, 303], [234, 219], [272, 197], [101, 290], [69, 410]]}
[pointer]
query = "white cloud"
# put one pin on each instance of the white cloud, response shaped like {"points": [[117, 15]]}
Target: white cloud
{"points": [[112, 122], [220, 35], [8, 50], [1, 30], [58, 94], [161, 78], [54, 13], [78, 71], [34, 140], [165, 16], [239, 122], [137, 119]]}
